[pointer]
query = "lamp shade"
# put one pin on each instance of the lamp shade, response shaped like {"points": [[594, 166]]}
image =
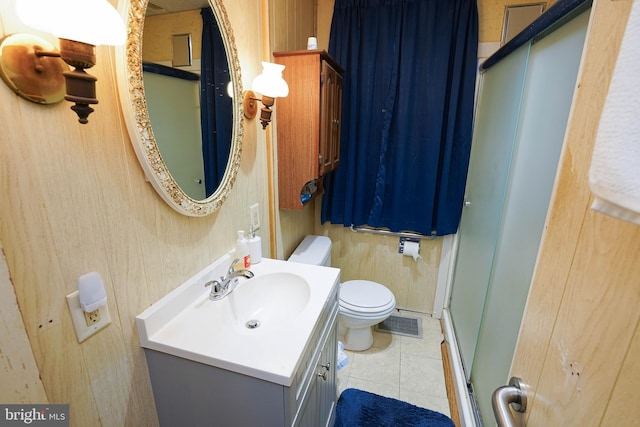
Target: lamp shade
{"points": [[94, 22], [270, 82]]}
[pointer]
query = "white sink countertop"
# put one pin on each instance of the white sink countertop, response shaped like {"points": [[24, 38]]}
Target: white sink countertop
{"points": [[186, 323]]}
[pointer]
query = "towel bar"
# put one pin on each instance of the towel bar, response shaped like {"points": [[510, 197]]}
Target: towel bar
{"points": [[392, 233]]}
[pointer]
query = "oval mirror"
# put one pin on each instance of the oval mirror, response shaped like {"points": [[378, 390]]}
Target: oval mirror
{"points": [[183, 119]]}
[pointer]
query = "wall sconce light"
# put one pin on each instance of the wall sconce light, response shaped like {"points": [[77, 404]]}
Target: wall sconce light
{"points": [[271, 85], [80, 26]]}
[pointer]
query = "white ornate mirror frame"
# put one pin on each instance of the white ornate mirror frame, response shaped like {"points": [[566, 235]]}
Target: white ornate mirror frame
{"points": [[136, 115]]}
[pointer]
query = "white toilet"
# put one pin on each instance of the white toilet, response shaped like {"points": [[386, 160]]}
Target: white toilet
{"points": [[363, 303]]}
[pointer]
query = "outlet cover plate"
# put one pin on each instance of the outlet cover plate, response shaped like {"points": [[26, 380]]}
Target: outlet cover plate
{"points": [[254, 211], [84, 331]]}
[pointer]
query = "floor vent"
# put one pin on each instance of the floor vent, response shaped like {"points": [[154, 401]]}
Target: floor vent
{"points": [[399, 324]]}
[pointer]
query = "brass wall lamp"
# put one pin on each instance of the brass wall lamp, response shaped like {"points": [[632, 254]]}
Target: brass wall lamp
{"points": [[30, 66], [271, 85]]}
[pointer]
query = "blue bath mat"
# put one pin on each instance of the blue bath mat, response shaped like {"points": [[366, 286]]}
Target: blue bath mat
{"points": [[357, 408]]}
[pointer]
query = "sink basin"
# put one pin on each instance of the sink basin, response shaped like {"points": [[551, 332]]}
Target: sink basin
{"points": [[261, 329], [267, 300]]}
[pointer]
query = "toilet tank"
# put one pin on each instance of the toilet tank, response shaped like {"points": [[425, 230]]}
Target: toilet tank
{"points": [[314, 250]]}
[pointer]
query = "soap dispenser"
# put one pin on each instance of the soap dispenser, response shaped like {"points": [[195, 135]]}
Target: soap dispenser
{"points": [[255, 246], [242, 250]]}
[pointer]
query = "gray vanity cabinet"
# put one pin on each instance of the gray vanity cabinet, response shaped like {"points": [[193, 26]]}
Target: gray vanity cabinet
{"points": [[194, 394]]}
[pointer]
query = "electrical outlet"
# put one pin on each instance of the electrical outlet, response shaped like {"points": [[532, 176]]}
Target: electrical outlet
{"points": [[86, 324], [254, 211], [93, 317]]}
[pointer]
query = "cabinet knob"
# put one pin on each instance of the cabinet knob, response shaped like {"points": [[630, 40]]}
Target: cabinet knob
{"points": [[326, 367]]}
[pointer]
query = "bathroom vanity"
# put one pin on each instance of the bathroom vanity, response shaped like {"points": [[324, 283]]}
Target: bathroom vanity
{"points": [[211, 365]]}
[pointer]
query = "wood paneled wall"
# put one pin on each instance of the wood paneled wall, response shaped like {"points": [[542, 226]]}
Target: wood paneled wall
{"points": [[291, 22], [580, 336], [74, 200], [20, 377], [157, 43]]}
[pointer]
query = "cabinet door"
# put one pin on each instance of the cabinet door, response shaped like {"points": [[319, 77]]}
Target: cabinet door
{"points": [[308, 416], [330, 112], [327, 379], [336, 112]]}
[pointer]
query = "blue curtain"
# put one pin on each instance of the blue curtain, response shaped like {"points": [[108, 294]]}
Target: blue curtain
{"points": [[216, 110], [407, 113]]}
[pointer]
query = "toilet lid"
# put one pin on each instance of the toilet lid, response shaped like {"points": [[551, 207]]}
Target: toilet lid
{"points": [[365, 296]]}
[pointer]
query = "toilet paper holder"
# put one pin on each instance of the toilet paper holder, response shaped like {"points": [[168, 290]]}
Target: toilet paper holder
{"points": [[406, 239]]}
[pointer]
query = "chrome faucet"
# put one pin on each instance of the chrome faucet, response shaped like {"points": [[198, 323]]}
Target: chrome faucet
{"points": [[223, 287]]}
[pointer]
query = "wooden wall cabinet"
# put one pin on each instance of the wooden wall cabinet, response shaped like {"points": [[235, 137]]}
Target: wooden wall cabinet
{"points": [[308, 122]]}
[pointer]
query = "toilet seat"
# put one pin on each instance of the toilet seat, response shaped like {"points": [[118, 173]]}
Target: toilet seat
{"points": [[364, 298]]}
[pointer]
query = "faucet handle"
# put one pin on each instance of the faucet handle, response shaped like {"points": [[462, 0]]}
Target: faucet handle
{"points": [[218, 289], [216, 284]]}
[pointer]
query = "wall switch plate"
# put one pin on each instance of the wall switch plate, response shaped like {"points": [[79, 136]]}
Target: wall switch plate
{"points": [[254, 211], [86, 324]]}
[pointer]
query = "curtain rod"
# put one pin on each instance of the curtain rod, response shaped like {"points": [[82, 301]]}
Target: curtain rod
{"points": [[391, 233]]}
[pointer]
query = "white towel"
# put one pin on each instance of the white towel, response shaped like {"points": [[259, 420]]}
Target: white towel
{"points": [[614, 176]]}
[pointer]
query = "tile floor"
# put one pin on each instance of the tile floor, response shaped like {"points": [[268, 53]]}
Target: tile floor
{"points": [[404, 368]]}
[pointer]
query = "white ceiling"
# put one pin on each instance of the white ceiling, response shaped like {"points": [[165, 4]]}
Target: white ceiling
{"points": [[157, 7]]}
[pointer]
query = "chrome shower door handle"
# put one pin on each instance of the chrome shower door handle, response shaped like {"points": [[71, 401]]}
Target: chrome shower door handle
{"points": [[513, 395]]}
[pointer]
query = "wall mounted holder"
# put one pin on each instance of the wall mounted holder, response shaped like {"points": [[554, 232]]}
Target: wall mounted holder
{"points": [[271, 85], [79, 26], [34, 77], [250, 105], [33, 69], [406, 239]]}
